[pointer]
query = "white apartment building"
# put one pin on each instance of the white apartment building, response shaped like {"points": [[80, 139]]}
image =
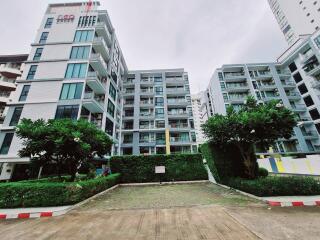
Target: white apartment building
{"points": [[199, 115], [296, 18], [294, 80], [75, 70], [11, 67]]}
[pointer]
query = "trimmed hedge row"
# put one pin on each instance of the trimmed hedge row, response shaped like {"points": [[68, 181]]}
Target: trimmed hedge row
{"points": [[41, 194], [277, 186], [179, 167]]}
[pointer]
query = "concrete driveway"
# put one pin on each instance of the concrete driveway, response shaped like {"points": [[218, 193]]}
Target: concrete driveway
{"points": [[191, 211]]}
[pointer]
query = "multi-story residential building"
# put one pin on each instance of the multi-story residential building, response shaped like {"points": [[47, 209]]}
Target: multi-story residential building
{"points": [[11, 67], [296, 18], [75, 70], [199, 115], [157, 113], [293, 80]]}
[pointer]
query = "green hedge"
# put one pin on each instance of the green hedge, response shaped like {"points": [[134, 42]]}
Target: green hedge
{"points": [[277, 186], [179, 167], [41, 194], [223, 162]]}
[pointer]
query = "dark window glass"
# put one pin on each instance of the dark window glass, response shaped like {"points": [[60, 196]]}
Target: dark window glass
{"points": [[44, 37], [81, 52], [159, 112], [32, 72], [318, 127], [159, 101], [76, 70], [292, 67], [110, 108], [24, 93], [297, 77], [109, 127], [308, 101], [314, 113], [67, 111], [112, 92], [159, 90], [71, 91], [6, 143], [16, 116], [83, 36], [303, 89], [48, 23], [37, 54]]}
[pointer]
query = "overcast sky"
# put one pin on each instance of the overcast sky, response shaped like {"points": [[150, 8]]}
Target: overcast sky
{"points": [[198, 35]]}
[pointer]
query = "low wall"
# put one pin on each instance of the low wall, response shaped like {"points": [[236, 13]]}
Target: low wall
{"points": [[310, 165]]}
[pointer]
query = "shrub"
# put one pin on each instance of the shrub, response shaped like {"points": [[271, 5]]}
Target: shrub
{"points": [[262, 172], [179, 167], [41, 194], [277, 186]]}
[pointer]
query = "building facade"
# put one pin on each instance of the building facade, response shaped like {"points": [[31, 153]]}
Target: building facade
{"points": [[294, 80], [157, 113], [199, 115], [75, 70], [296, 18], [11, 67]]}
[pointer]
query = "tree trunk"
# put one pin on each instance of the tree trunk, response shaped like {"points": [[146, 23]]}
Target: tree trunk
{"points": [[247, 153]]}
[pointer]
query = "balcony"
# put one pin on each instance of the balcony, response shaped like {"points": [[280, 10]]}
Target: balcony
{"points": [[145, 115], [93, 103], [100, 46], [262, 75], [237, 88], [267, 86], [146, 92], [179, 141], [289, 85], [306, 56], [237, 99], [9, 72], [271, 97], [98, 63], [102, 30], [294, 96], [7, 84], [178, 125], [175, 91], [174, 81], [310, 134], [284, 73], [146, 103], [178, 115], [181, 102], [234, 76], [146, 82], [299, 108], [129, 82], [312, 66], [96, 83], [128, 92]]}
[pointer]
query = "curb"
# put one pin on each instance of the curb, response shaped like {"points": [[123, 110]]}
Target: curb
{"points": [[26, 215], [293, 204]]}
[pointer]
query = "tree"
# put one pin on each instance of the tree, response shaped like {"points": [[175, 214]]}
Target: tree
{"points": [[65, 142], [254, 124]]}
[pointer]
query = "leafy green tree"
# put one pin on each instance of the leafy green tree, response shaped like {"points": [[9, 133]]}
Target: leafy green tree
{"points": [[66, 142], [253, 125]]}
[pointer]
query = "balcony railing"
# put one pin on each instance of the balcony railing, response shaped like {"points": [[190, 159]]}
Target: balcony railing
{"points": [[234, 74], [173, 125], [179, 139], [177, 113], [98, 57]]}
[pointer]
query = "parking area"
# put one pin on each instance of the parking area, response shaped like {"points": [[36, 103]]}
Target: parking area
{"points": [[177, 212]]}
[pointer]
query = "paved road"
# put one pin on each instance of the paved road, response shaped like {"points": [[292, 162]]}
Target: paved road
{"points": [[177, 212]]}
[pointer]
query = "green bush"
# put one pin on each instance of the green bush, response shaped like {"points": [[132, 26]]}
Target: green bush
{"points": [[42, 194], [277, 186], [179, 167], [223, 162], [262, 172]]}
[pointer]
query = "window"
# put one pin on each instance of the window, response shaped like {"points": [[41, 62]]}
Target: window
{"points": [[159, 90], [220, 75], [67, 111], [109, 127], [76, 70], [24, 93], [71, 91], [297, 77], [48, 23], [32, 72], [303, 89], [110, 108], [314, 113], [158, 80], [159, 101], [15, 116], [83, 36], [159, 112], [112, 92], [160, 124], [80, 52], [317, 40], [86, 21], [44, 37], [37, 54], [292, 67], [6, 143], [308, 101]]}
